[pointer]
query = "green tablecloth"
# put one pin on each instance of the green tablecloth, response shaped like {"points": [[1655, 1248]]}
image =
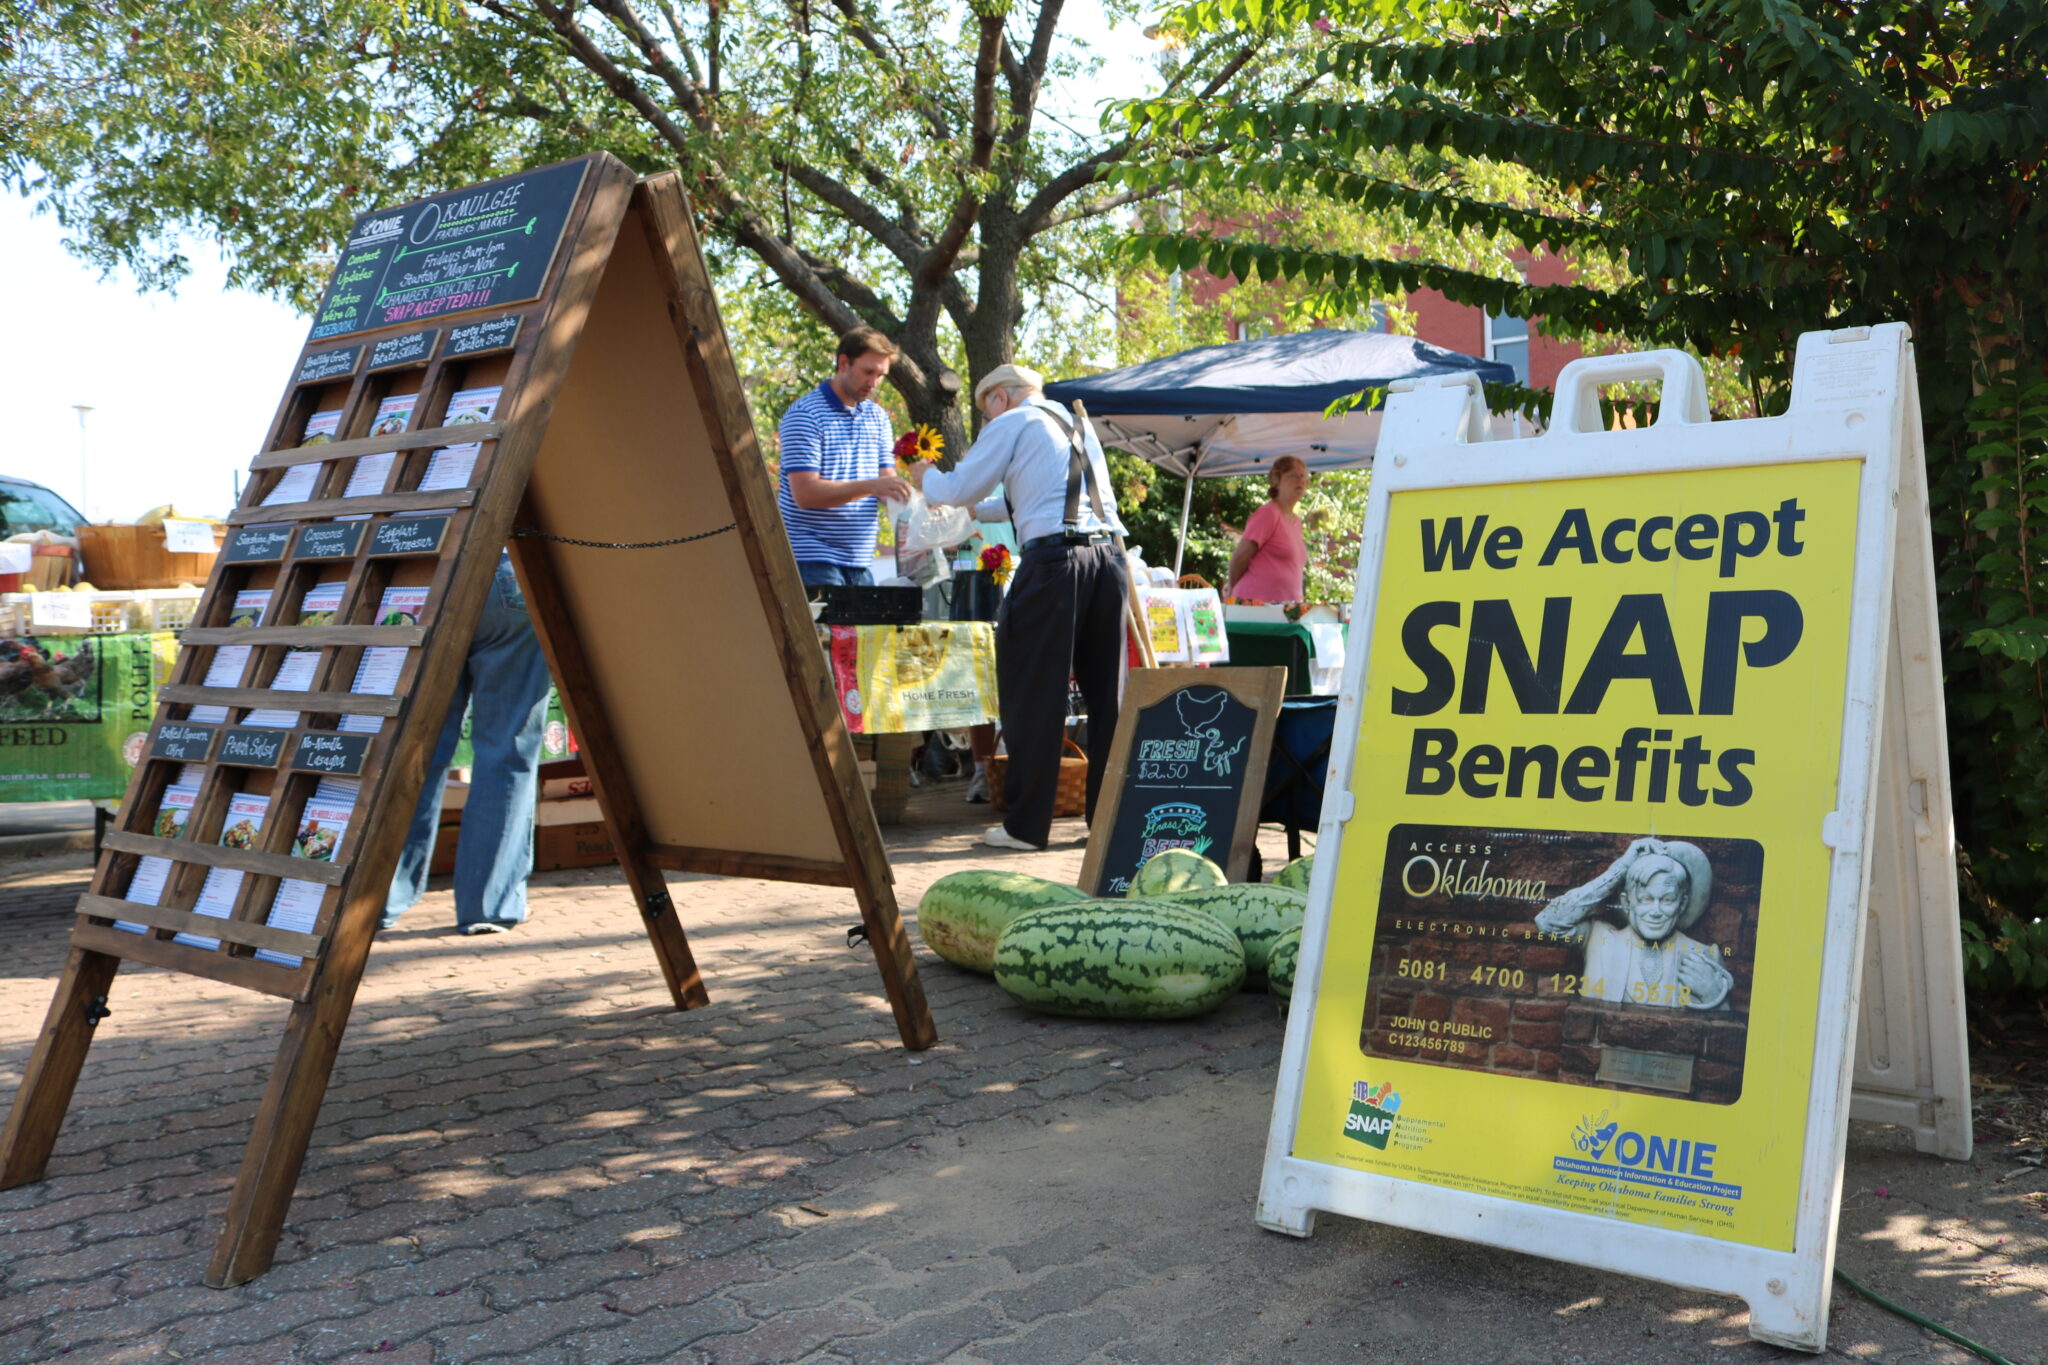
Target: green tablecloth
{"points": [[1263, 644]]}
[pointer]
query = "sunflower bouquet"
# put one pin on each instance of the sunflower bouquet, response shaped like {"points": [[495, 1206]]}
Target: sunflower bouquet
{"points": [[996, 559], [918, 443]]}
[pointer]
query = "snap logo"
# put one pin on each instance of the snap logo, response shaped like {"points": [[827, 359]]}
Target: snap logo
{"points": [[1371, 1120]]}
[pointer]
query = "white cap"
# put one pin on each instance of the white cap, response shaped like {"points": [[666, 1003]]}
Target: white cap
{"points": [[1008, 374]]}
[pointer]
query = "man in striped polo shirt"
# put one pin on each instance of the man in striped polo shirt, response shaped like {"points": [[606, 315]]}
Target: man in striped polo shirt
{"points": [[836, 463]]}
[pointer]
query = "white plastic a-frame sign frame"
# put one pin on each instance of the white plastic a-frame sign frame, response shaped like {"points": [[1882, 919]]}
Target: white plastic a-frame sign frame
{"points": [[1636, 715]]}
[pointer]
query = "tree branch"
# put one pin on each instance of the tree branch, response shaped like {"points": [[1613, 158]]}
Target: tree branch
{"points": [[1035, 215], [853, 208], [1027, 79], [688, 93], [1102, 206], [919, 101], [938, 262]]}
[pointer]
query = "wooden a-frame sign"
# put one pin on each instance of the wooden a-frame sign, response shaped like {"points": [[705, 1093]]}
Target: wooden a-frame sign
{"points": [[662, 588]]}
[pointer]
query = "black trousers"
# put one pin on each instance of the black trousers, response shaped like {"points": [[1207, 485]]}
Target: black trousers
{"points": [[1064, 614]]}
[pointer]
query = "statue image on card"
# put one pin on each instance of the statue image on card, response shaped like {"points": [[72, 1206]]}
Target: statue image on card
{"points": [[1618, 961]]}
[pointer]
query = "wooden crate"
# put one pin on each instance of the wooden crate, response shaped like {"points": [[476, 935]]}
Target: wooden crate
{"points": [[134, 557]]}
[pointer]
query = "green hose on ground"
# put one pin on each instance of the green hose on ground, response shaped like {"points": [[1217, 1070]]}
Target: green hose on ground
{"points": [[1910, 1316]]}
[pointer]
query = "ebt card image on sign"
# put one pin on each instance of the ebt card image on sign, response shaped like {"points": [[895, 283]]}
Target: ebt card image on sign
{"points": [[1593, 959], [1599, 733]]}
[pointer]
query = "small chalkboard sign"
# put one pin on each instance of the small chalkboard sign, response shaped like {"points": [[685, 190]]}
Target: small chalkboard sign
{"points": [[251, 748], [408, 536], [329, 364], [474, 338], [181, 743], [256, 545], [475, 248], [332, 754], [1187, 770], [412, 348], [329, 540]]}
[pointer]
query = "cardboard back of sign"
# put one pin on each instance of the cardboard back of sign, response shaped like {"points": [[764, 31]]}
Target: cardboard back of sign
{"points": [[1633, 718]]}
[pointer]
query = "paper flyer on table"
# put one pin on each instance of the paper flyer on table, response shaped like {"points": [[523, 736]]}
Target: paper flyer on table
{"points": [[242, 828], [379, 669], [152, 874], [321, 827], [298, 482]]}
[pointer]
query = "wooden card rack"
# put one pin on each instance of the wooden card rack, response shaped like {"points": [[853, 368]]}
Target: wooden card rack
{"points": [[540, 360]]}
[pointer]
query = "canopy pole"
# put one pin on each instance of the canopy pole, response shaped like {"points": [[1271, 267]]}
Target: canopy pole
{"points": [[1187, 498]]}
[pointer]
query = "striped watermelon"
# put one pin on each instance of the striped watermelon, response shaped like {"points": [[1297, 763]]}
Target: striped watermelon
{"points": [[963, 912], [1119, 959], [1259, 913], [1282, 963], [1296, 873], [1175, 869]]}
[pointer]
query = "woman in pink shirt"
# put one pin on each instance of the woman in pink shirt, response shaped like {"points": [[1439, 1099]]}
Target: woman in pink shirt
{"points": [[1270, 558]]}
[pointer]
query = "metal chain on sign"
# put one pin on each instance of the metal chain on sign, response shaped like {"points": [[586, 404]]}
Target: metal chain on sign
{"points": [[623, 544]]}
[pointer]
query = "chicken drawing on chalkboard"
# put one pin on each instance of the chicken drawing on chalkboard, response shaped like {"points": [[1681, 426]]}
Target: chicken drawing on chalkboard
{"points": [[1198, 716]]}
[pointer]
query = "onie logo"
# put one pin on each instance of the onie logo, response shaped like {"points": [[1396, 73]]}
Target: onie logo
{"points": [[1371, 1120], [1594, 1135]]}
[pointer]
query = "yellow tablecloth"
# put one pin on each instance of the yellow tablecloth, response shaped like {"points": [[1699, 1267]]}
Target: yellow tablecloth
{"points": [[902, 679]]}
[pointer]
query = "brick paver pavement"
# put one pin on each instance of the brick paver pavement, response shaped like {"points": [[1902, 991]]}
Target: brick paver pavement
{"points": [[526, 1155]]}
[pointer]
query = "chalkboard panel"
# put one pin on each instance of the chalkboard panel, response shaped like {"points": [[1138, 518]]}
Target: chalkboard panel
{"points": [[474, 338], [181, 743], [332, 754], [329, 540], [408, 536], [251, 748], [412, 348], [479, 247], [1187, 770], [329, 364], [256, 545]]}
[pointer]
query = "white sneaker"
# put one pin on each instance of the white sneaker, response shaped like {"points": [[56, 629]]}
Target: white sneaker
{"points": [[998, 837], [977, 788]]}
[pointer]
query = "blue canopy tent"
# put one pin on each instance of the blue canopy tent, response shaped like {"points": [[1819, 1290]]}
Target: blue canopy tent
{"points": [[1217, 411]]}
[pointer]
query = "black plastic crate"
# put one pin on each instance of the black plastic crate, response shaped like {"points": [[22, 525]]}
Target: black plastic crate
{"points": [[865, 605]]}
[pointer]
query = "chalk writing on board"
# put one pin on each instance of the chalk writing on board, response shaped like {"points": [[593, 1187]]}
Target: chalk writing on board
{"points": [[1183, 782], [252, 748], [473, 338], [329, 540], [472, 248], [181, 743], [329, 364], [331, 753], [410, 349], [256, 544], [409, 536]]}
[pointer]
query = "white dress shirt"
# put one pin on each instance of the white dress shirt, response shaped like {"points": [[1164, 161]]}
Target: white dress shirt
{"points": [[1026, 451]]}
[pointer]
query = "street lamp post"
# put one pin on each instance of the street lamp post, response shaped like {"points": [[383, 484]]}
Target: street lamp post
{"points": [[84, 496]]}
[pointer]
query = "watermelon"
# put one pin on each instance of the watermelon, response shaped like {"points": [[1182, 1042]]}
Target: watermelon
{"points": [[963, 912], [1296, 873], [1257, 912], [1175, 869], [1281, 963], [1119, 959]]}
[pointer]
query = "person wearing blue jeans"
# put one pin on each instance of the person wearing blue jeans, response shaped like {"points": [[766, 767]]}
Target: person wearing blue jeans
{"points": [[504, 687]]}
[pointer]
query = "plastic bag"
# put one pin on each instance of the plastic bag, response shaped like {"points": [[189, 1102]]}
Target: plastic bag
{"points": [[925, 527]]}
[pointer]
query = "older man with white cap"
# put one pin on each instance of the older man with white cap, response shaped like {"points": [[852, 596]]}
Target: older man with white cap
{"points": [[1064, 612]]}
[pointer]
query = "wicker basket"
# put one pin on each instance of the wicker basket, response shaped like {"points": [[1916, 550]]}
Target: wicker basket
{"points": [[1071, 799]]}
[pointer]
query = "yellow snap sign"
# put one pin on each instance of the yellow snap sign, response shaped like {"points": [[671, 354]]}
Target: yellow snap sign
{"points": [[1589, 889]]}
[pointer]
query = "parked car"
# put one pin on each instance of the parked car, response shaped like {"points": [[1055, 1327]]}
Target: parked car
{"points": [[28, 506]]}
